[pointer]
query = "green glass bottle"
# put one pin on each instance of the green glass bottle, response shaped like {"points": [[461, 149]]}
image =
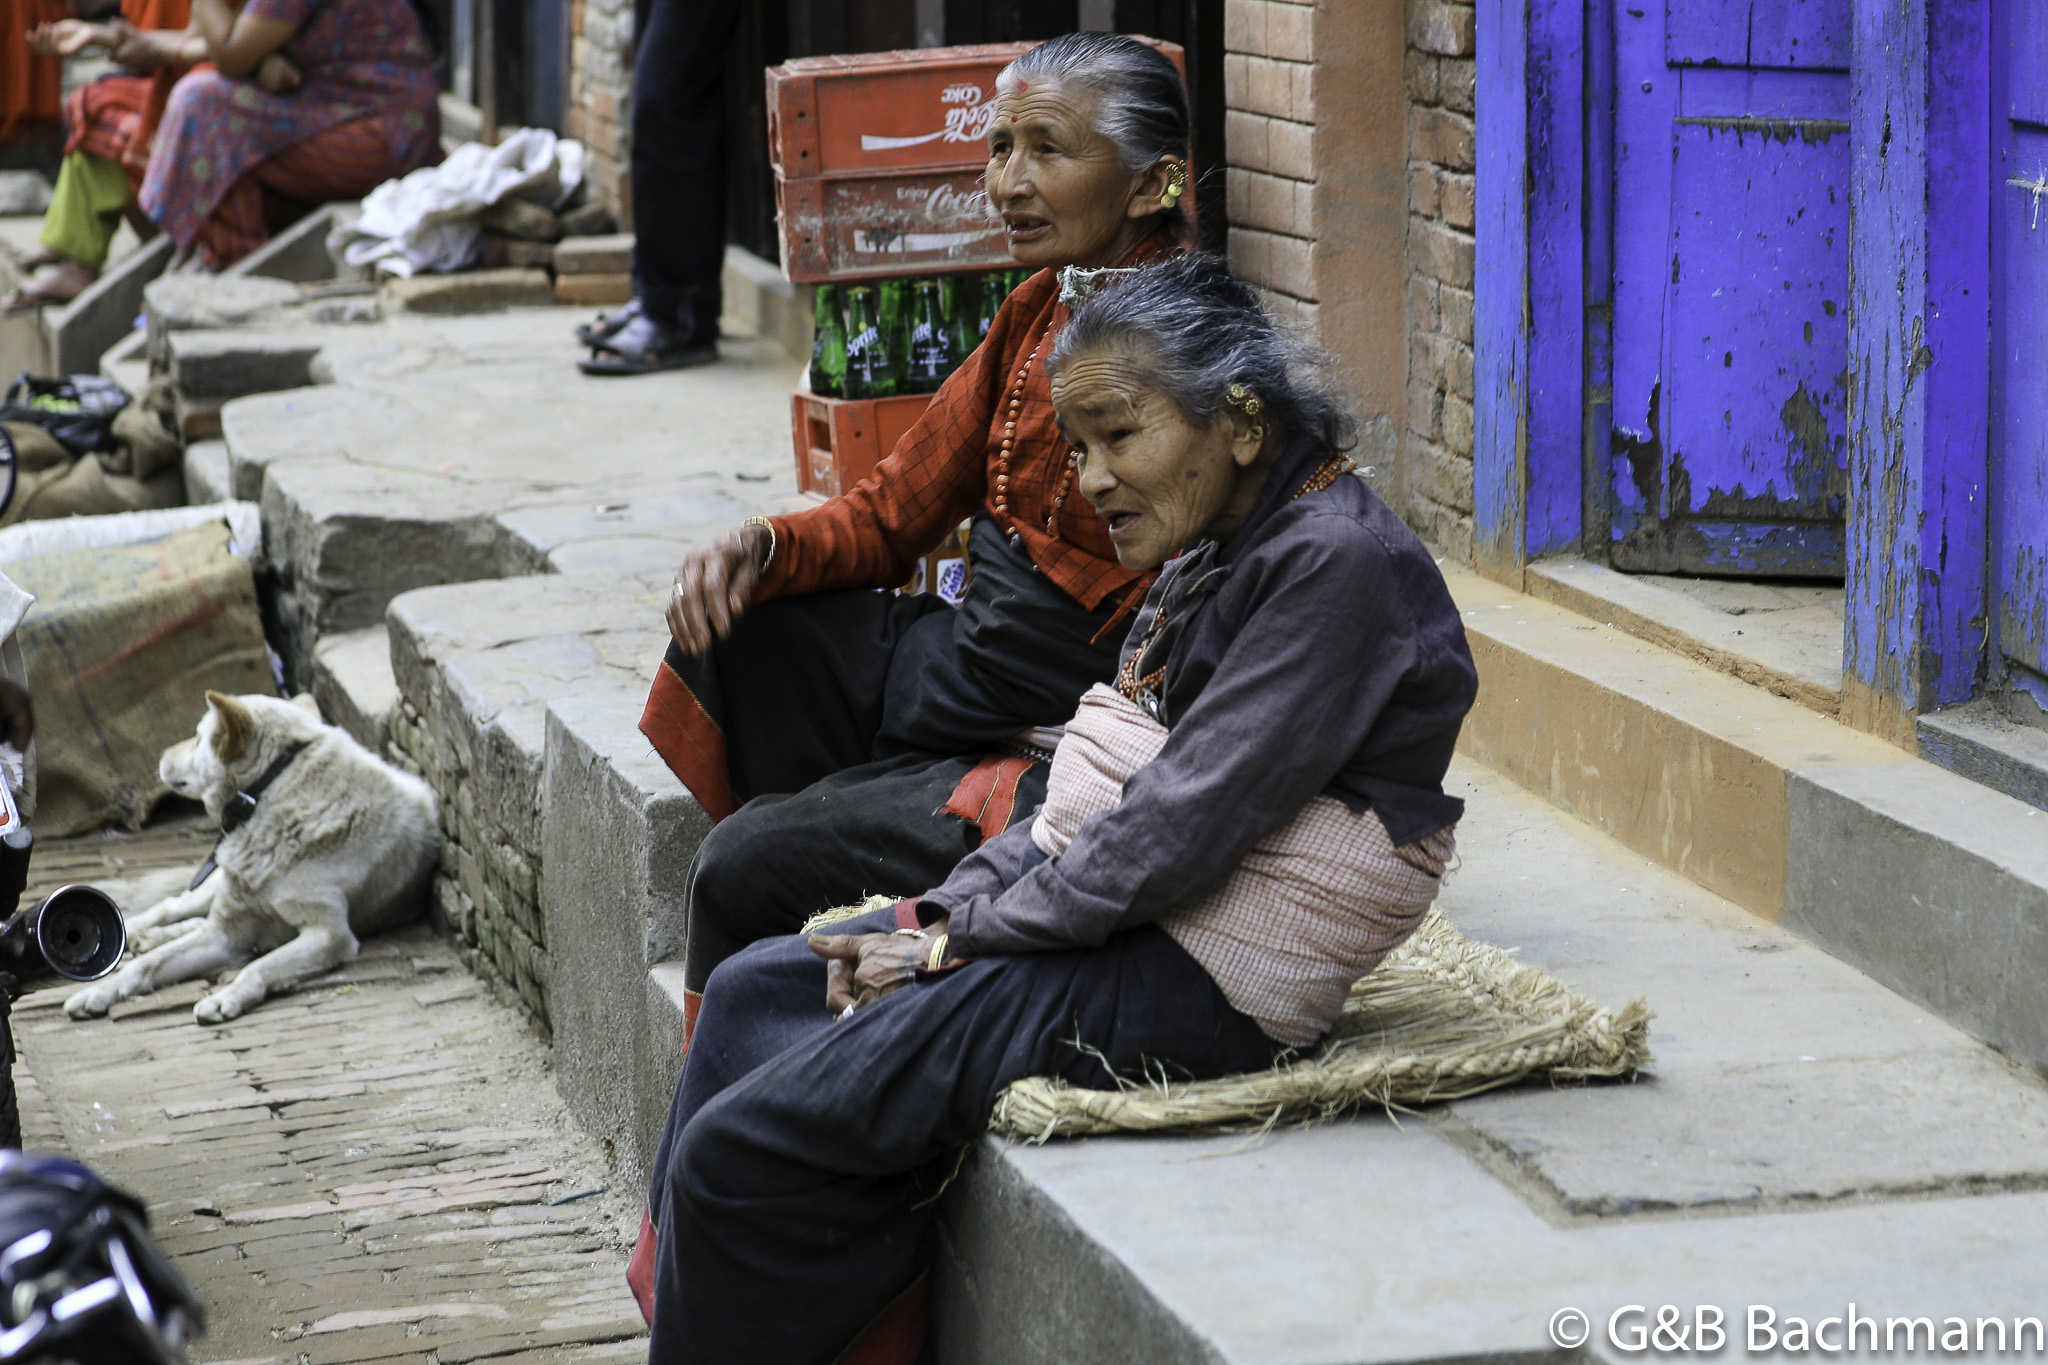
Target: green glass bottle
{"points": [[995, 286], [931, 345], [893, 299], [870, 369], [959, 324], [828, 344]]}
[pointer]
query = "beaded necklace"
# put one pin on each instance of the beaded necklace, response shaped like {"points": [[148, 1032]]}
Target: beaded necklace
{"points": [[1002, 499]]}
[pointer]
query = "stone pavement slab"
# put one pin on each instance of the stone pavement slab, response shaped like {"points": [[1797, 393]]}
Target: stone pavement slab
{"points": [[373, 1167]]}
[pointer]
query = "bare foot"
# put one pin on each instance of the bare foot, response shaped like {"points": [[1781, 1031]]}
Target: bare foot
{"points": [[53, 284]]}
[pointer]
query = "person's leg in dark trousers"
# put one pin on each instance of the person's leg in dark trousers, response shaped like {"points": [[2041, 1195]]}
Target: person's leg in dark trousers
{"points": [[679, 177], [794, 1189]]}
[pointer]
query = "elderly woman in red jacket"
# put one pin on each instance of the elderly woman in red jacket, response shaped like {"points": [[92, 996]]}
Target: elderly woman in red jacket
{"points": [[845, 738]]}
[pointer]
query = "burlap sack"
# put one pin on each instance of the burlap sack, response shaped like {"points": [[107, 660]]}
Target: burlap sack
{"points": [[122, 644]]}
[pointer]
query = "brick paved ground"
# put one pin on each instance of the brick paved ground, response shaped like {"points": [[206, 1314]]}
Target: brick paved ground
{"points": [[375, 1167]]}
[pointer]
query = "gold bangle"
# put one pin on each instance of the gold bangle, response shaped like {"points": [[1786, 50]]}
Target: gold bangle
{"points": [[936, 958], [770, 527]]}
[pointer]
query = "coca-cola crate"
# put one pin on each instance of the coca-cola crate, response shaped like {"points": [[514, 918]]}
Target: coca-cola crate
{"points": [[878, 161], [839, 441]]}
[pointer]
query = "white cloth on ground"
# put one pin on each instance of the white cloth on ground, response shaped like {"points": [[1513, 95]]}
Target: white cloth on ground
{"points": [[429, 220]]}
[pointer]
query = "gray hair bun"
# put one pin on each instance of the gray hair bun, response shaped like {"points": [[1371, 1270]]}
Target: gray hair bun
{"points": [[1198, 329]]}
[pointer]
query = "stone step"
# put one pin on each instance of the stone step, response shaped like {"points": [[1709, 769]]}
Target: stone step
{"points": [[1929, 882], [1805, 1139]]}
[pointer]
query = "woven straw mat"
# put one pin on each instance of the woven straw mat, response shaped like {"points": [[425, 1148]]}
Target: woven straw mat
{"points": [[1442, 1018]]}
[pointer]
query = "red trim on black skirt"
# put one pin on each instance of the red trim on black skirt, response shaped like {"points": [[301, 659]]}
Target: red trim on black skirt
{"points": [[689, 741]]}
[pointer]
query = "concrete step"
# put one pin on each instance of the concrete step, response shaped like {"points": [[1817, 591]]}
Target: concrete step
{"points": [[1933, 884], [446, 450], [1805, 1139]]}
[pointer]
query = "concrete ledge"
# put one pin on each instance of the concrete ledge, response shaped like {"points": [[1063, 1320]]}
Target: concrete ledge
{"points": [[1743, 647], [1681, 763], [82, 331], [1978, 743], [353, 682], [1935, 886], [617, 835], [206, 472]]}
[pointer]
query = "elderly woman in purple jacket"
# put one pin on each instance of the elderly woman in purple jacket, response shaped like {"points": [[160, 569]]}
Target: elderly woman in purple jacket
{"points": [[1235, 832]]}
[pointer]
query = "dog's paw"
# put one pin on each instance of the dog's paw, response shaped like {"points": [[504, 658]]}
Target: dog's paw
{"points": [[92, 1002], [220, 1007]]}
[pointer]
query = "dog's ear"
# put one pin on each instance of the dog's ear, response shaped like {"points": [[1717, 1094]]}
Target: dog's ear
{"points": [[304, 701], [234, 726]]}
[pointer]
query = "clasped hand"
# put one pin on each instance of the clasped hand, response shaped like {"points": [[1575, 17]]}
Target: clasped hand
{"points": [[862, 968], [714, 586]]}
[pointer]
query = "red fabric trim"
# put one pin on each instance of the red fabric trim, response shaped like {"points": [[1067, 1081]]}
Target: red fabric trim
{"points": [[640, 1269], [689, 741], [987, 797], [693, 1005], [906, 913], [896, 1334]]}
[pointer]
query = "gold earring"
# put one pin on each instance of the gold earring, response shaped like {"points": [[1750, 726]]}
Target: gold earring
{"points": [[1251, 405], [1176, 185]]}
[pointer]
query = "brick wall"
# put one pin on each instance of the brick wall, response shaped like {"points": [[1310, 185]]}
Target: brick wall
{"points": [[1350, 148], [1437, 448], [600, 84], [1269, 89]]}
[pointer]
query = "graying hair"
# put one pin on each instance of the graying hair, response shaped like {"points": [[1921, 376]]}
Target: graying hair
{"points": [[1144, 106], [1197, 329]]}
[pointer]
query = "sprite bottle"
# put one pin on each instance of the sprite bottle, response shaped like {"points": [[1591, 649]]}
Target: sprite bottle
{"points": [[828, 345], [931, 346], [870, 369]]}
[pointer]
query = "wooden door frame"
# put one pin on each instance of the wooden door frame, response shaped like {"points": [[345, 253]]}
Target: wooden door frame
{"points": [[1920, 353]]}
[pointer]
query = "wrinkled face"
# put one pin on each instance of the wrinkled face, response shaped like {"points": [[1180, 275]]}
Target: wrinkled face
{"points": [[1060, 186], [1159, 479]]}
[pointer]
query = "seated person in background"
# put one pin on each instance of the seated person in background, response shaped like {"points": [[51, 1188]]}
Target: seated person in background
{"points": [[109, 125], [346, 101], [847, 739], [1245, 824]]}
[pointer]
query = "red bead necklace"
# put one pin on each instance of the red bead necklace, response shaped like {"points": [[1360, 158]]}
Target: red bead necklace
{"points": [[1002, 498]]}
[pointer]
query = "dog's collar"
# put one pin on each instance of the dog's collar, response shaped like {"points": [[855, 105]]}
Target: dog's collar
{"points": [[241, 806]]}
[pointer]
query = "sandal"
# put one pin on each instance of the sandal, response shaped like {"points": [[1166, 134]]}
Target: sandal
{"points": [[608, 325], [645, 347]]}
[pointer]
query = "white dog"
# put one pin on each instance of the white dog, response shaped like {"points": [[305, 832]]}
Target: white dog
{"points": [[335, 844]]}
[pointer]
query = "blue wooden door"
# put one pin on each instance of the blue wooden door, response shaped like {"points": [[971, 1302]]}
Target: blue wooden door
{"points": [[2019, 320], [1729, 450]]}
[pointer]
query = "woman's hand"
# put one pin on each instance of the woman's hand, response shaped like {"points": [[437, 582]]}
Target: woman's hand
{"points": [[143, 50], [277, 75], [69, 37], [862, 968], [714, 586]]}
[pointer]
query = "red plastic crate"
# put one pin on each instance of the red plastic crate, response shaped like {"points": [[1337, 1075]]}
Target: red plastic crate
{"points": [[878, 161], [839, 441]]}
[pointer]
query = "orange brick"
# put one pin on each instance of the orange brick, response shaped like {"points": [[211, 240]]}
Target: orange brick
{"points": [[1441, 138]]}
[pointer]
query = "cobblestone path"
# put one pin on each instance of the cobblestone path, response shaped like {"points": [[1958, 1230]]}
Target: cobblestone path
{"points": [[375, 1167]]}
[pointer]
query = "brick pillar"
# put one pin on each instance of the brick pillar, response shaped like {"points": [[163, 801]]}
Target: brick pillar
{"points": [[1438, 447], [600, 88], [1269, 90], [1322, 215]]}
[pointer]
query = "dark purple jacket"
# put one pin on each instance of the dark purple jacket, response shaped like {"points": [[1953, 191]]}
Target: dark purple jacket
{"points": [[1321, 653]]}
